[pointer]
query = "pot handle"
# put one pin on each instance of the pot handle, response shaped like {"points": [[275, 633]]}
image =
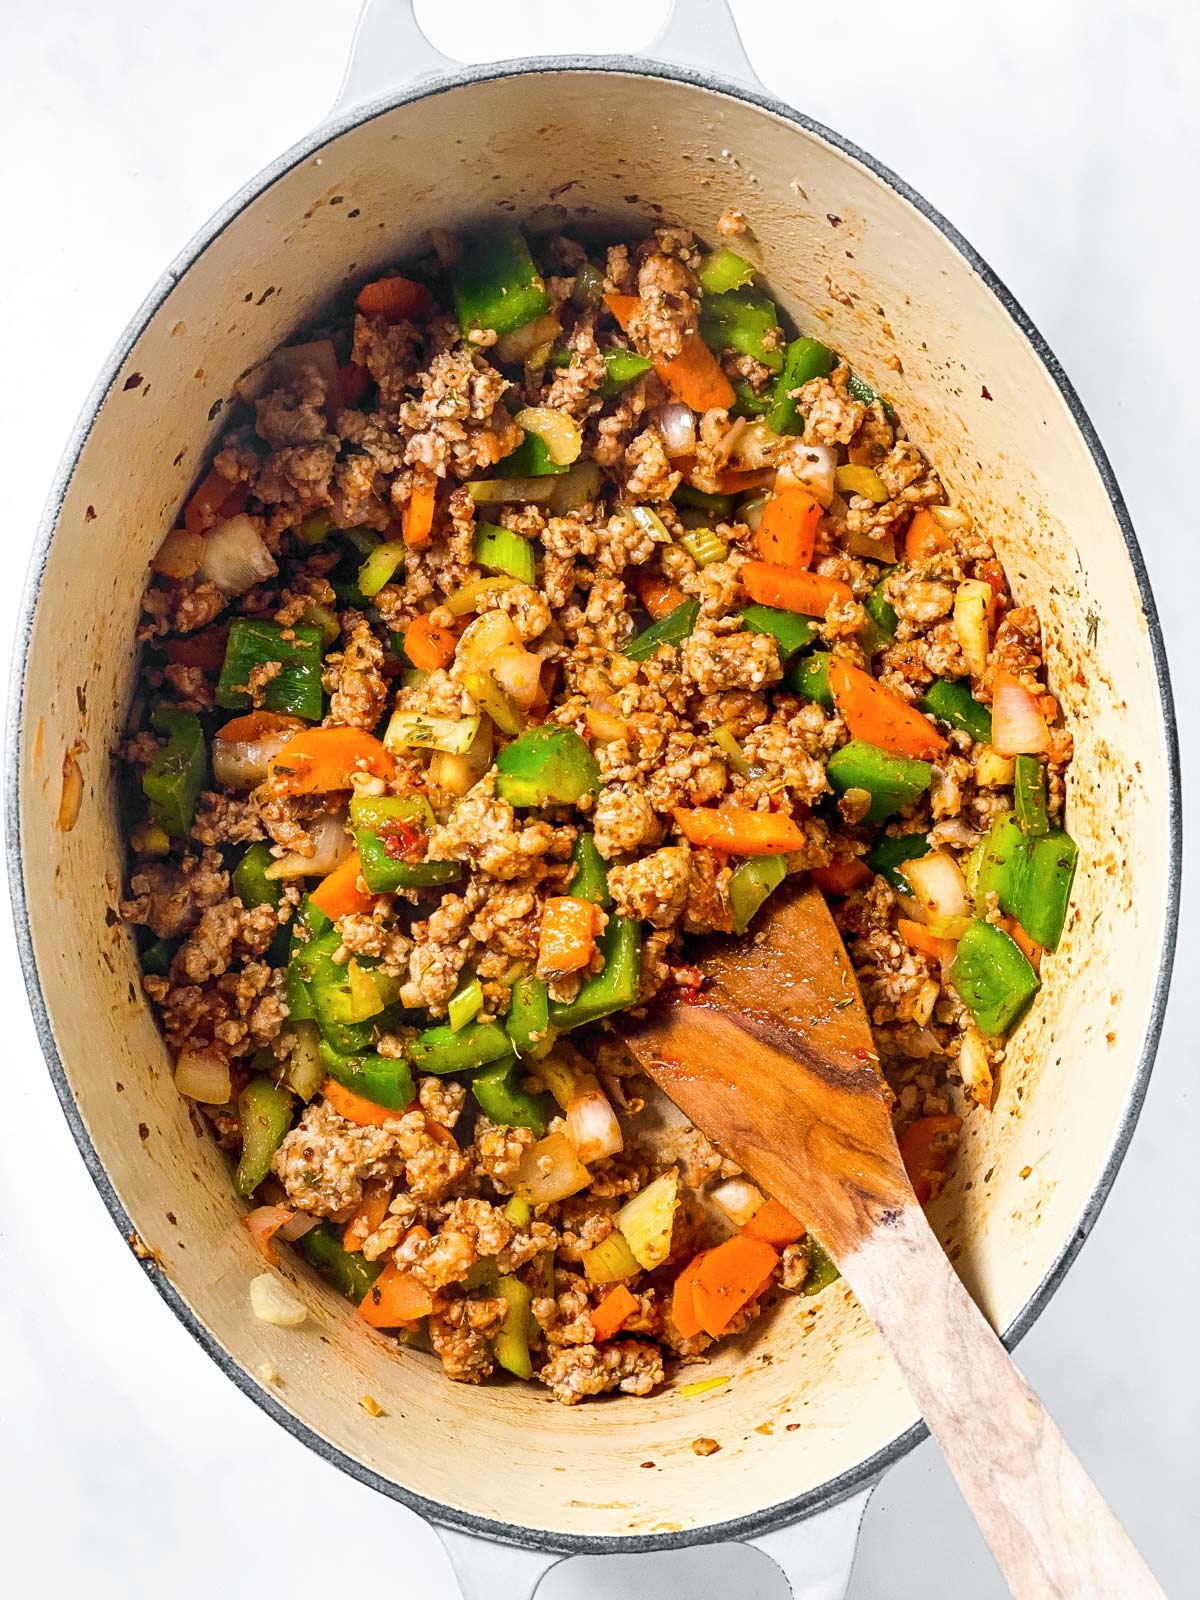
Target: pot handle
{"points": [[815, 1556], [391, 51]]}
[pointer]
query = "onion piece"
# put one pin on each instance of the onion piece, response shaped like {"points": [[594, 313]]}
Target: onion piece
{"points": [[522, 342], [938, 884], [950, 518], [332, 845], [751, 511], [992, 770], [971, 601], [203, 1075], [871, 547], [263, 1223], [242, 763], [456, 774], [757, 446], [573, 489], [300, 1224], [413, 730], [235, 557], [517, 672], [557, 430], [511, 491], [179, 554], [648, 1219], [604, 719], [974, 1067], [550, 1170], [272, 1301], [677, 425], [812, 467], [461, 602], [738, 1199], [290, 365], [592, 1125], [610, 1261], [489, 632], [650, 522], [1018, 727]]}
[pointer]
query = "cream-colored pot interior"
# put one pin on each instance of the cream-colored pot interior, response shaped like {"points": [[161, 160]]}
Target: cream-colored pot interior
{"points": [[813, 1394]]}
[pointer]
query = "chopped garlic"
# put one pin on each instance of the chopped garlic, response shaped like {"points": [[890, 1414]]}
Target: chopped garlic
{"points": [[272, 1301]]}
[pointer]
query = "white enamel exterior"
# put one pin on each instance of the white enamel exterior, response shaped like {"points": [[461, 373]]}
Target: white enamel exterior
{"points": [[813, 1396]]}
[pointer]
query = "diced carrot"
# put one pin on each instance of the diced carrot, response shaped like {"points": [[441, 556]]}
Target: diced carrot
{"points": [[568, 935], [418, 513], [318, 760], [924, 538], [926, 1146], [338, 894], [395, 1300], [1032, 951], [255, 725], [263, 1223], [728, 1278], [740, 832], [787, 534], [773, 1224], [427, 646], [918, 937], [613, 1312], [808, 593], [657, 595], [395, 299], [354, 382], [356, 1107], [377, 1195], [842, 875], [205, 650], [732, 481], [683, 1299], [694, 375], [878, 716], [213, 499]]}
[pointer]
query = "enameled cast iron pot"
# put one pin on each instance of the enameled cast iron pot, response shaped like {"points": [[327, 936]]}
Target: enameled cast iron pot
{"points": [[512, 1479]]}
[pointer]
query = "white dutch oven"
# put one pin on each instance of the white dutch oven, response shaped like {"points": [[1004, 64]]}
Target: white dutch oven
{"points": [[815, 1410]]}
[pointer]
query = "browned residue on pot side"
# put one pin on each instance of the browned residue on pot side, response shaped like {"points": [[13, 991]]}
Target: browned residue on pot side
{"points": [[71, 797]]}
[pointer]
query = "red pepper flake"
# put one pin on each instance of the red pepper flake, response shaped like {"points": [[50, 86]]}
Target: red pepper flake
{"points": [[404, 841]]}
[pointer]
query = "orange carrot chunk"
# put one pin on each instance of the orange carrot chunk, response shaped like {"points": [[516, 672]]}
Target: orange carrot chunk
{"points": [[694, 375], [926, 1146], [338, 894], [773, 1224], [613, 1312], [355, 1107], [683, 1299], [395, 299], [657, 595], [791, 589], [918, 937], [418, 513], [213, 499], [729, 1277], [395, 1299], [924, 537], [787, 534], [842, 875], [377, 1194], [319, 760], [740, 832], [568, 935], [427, 646], [879, 717]]}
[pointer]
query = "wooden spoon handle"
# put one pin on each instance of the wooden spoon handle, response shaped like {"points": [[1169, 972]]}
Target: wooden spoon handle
{"points": [[1048, 1527]]}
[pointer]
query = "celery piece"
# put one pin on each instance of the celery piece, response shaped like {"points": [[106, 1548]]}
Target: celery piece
{"points": [[704, 546], [441, 1050], [892, 781], [391, 833], [810, 677], [495, 282], [465, 1006], [992, 978], [531, 459], [510, 1345], [804, 360], [501, 550], [950, 700], [519, 1212], [295, 690], [499, 1095], [495, 701], [882, 614], [314, 527], [854, 478], [528, 1020], [265, 1115], [743, 321], [724, 270], [1029, 795], [548, 766], [384, 1080], [349, 1272], [732, 751], [889, 854], [752, 882], [790, 631], [381, 566], [621, 368], [413, 730], [173, 780], [718, 506], [674, 628], [614, 988], [590, 878]]}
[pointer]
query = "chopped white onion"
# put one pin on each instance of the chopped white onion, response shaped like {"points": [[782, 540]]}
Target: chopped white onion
{"points": [[290, 366], [300, 1224], [751, 512], [203, 1075], [522, 342], [950, 518], [518, 672], [272, 1301], [938, 884], [738, 1199], [557, 430], [974, 1067], [756, 446], [332, 844], [179, 554], [812, 466], [1018, 727], [592, 1125], [489, 632], [677, 425], [992, 770], [242, 763], [456, 774], [550, 1170], [971, 601], [235, 557]]}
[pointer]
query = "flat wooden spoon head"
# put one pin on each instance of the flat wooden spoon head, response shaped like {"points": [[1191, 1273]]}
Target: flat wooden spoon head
{"points": [[775, 1062]]}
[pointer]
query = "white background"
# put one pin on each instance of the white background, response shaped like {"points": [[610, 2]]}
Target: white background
{"points": [[1063, 140]]}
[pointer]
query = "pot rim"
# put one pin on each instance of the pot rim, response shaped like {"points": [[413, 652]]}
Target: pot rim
{"points": [[770, 1518]]}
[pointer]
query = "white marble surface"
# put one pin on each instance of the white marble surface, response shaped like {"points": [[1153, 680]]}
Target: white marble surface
{"points": [[1063, 140]]}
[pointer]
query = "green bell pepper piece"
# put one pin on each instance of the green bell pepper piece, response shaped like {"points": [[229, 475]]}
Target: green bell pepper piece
{"points": [[528, 1020], [173, 780], [950, 700], [752, 881], [749, 402], [383, 1080], [724, 270], [157, 957], [822, 1269], [882, 614], [588, 289], [327, 986], [441, 1050], [674, 628], [548, 766], [308, 923], [613, 989], [1043, 889], [859, 389], [503, 551], [1029, 796], [810, 677], [999, 865], [743, 321], [893, 782], [803, 360], [498, 1092], [531, 459], [790, 631], [717, 506], [390, 832], [889, 854], [510, 1345], [265, 1113], [992, 978], [621, 368], [590, 878], [314, 527], [346, 1271], [296, 691], [495, 282], [254, 888]]}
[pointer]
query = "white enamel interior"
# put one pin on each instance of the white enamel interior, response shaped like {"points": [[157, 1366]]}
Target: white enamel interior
{"points": [[813, 1394]]}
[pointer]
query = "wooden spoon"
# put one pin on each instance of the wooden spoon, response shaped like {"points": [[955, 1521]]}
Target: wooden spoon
{"points": [[777, 1065]]}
